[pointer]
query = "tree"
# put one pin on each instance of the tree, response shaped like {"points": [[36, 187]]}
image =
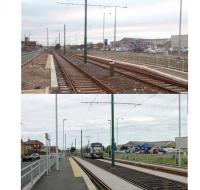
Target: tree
{"points": [[57, 46], [73, 149]]}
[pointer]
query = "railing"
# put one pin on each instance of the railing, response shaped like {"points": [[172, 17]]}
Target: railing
{"points": [[26, 57], [160, 159], [33, 172], [168, 61]]}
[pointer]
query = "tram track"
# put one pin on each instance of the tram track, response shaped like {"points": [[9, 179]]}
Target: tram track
{"points": [[140, 179], [150, 78], [77, 80]]}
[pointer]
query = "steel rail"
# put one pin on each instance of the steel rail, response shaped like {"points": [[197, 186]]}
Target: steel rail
{"points": [[141, 179], [99, 183], [132, 68], [65, 76], [120, 69], [154, 167], [97, 82]]}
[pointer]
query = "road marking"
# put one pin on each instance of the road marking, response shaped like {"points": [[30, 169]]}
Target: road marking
{"points": [[75, 168], [78, 172]]}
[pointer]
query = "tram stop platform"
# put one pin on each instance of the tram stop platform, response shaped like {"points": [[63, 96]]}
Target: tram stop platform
{"points": [[70, 176]]}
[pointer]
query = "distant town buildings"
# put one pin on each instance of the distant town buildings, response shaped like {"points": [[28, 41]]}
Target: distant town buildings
{"points": [[31, 146], [140, 45], [175, 41], [28, 45], [35, 146]]}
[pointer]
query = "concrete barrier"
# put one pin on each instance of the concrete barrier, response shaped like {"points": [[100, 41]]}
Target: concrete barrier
{"points": [[54, 82]]}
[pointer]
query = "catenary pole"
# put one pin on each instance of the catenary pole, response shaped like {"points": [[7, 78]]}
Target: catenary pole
{"points": [[47, 40], [115, 29], [85, 28], [59, 37], [64, 133], [65, 145], [64, 40], [81, 144], [85, 34], [180, 26], [56, 110], [112, 121], [103, 27]]}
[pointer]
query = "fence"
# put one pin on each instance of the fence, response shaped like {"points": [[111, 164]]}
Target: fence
{"points": [[26, 57], [168, 61], [33, 172], [161, 159]]}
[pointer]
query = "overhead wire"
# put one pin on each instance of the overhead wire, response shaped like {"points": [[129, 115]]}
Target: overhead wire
{"points": [[122, 115]]}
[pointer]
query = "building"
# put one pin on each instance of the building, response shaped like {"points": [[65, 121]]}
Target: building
{"points": [[175, 41], [35, 145], [25, 149], [53, 149], [139, 44]]}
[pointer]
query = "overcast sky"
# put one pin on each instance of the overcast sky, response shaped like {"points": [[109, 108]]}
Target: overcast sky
{"points": [[144, 18], [156, 119]]}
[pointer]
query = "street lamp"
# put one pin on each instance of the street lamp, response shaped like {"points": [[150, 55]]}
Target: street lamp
{"points": [[63, 132], [115, 26], [56, 118], [117, 126], [109, 120], [180, 23], [104, 17], [110, 133]]}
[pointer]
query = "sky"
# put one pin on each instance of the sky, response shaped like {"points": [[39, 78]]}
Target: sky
{"points": [[156, 119], [141, 19]]}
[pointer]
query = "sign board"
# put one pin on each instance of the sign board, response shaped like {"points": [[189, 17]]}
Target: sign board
{"points": [[105, 42], [47, 136], [181, 142]]}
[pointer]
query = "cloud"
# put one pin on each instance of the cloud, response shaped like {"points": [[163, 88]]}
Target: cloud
{"points": [[156, 119], [152, 18]]}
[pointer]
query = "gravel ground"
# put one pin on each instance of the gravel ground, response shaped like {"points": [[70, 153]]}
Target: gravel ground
{"points": [[119, 82], [35, 75]]}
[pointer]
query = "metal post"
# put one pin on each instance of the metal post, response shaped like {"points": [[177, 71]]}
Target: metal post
{"points": [[39, 167], [179, 152], [63, 133], [103, 27], [64, 40], [180, 24], [56, 109], [117, 129], [47, 156], [75, 144], [31, 173], [112, 120], [59, 37], [115, 25], [179, 115], [81, 144], [85, 37], [47, 40], [65, 145]]}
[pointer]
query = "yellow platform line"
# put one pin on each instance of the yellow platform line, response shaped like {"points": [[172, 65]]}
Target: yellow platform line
{"points": [[75, 168]]}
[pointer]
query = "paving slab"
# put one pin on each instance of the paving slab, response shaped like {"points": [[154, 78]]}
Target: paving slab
{"points": [[63, 179], [111, 180]]}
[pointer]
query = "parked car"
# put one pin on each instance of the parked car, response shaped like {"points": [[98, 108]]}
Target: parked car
{"points": [[26, 158], [35, 156]]}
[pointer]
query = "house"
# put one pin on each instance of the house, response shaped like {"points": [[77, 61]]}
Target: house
{"points": [[25, 149], [35, 145]]}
